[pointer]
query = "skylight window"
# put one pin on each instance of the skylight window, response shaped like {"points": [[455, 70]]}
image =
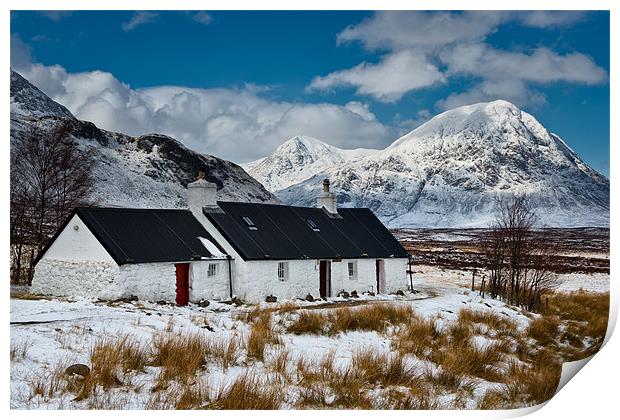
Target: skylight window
{"points": [[250, 223], [313, 225]]}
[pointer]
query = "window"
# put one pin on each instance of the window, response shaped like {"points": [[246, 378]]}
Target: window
{"points": [[353, 270], [212, 271], [250, 223], [282, 271], [313, 225]]}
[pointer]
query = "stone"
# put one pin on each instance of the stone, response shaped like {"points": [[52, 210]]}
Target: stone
{"points": [[400, 293], [309, 298], [78, 369], [370, 293], [343, 294], [203, 303], [354, 294], [271, 299], [236, 301]]}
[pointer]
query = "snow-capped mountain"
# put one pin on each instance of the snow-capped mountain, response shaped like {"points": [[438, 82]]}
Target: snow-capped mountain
{"points": [[450, 171], [297, 160], [148, 171]]}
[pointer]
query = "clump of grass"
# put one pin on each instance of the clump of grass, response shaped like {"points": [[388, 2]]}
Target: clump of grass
{"points": [[419, 337], [497, 325], [226, 351], [179, 356], [375, 367], [247, 392], [192, 396], [19, 350], [261, 334], [373, 317], [544, 329], [309, 322], [279, 362]]}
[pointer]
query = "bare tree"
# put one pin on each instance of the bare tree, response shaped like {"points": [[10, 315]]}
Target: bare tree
{"points": [[518, 255], [50, 175]]}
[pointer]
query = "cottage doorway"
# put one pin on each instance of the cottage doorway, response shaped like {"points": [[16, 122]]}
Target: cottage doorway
{"points": [[325, 271], [380, 274], [182, 274]]}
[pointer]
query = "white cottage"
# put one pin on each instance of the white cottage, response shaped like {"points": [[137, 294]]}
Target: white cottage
{"points": [[217, 250]]}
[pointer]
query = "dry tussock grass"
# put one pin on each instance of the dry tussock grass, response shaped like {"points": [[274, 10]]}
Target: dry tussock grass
{"points": [[179, 356], [261, 334], [225, 351], [247, 392], [497, 324], [374, 317], [420, 336], [19, 350]]}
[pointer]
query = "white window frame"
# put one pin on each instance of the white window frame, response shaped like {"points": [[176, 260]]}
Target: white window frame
{"points": [[212, 270], [352, 270], [283, 270]]}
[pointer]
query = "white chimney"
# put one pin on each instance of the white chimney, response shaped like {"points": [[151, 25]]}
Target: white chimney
{"points": [[327, 199], [201, 193]]}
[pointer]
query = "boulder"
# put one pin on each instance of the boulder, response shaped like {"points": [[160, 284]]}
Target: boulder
{"points": [[309, 298], [78, 369], [343, 294], [271, 299], [354, 294], [203, 303]]}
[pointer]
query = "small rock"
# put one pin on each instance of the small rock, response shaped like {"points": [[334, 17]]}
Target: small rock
{"points": [[208, 327], [354, 294], [203, 303], [271, 299], [78, 369], [400, 293], [448, 311], [415, 292], [236, 301], [58, 329], [148, 313], [343, 294], [488, 305], [309, 298], [370, 293], [162, 302]]}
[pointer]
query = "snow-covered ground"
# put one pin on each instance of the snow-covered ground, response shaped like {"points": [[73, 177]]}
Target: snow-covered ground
{"points": [[57, 332]]}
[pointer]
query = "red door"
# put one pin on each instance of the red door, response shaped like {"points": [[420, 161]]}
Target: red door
{"points": [[182, 272]]}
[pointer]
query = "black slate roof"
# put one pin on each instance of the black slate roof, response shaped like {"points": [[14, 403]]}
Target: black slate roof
{"points": [[284, 232], [145, 235]]}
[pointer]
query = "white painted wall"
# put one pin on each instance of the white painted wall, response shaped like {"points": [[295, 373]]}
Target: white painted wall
{"points": [[96, 279], [153, 281], [204, 287], [77, 245]]}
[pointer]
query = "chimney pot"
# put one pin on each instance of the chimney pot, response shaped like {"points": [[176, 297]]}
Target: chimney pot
{"points": [[201, 174], [326, 185]]}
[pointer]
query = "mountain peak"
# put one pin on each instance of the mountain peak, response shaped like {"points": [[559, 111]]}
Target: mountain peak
{"points": [[28, 100]]}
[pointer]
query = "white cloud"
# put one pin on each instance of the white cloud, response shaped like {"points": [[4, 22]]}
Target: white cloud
{"points": [[400, 30], [203, 17], [56, 15], [139, 18], [549, 18], [388, 80], [233, 123], [426, 48]]}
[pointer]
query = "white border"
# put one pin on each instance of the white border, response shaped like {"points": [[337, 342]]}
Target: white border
{"points": [[591, 394]]}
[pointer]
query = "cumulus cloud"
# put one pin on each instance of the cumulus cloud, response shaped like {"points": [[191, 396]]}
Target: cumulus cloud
{"points": [[139, 18], [422, 49], [388, 80], [239, 124]]}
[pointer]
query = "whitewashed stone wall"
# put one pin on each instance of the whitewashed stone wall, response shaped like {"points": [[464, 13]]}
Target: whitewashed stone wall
{"points": [[204, 287], [259, 279], [94, 279], [154, 281], [396, 277]]}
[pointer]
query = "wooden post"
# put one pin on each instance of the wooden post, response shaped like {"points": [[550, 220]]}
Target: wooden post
{"points": [[410, 275], [473, 278], [482, 286]]}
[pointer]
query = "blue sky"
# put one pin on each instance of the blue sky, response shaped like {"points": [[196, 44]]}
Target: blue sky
{"points": [[238, 84]]}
